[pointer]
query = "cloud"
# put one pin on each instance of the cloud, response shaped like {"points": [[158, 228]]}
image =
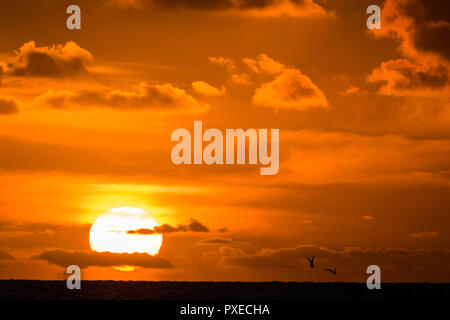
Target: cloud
{"points": [[218, 241], [33, 235], [424, 235], [125, 3], [193, 226], [56, 61], [9, 105], [285, 8], [226, 63], [348, 257], [409, 77], [86, 259], [254, 8], [290, 90], [319, 157], [5, 255], [420, 26], [264, 64], [12, 226], [240, 78], [206, 89], [162, 97], [252, 64], [351, 90], [366, 217], [59, 157], [422, 32], [277, 258], [441, 24]]}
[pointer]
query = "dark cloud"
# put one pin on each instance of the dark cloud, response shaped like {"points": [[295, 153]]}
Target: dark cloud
{"points": [[262, 8], [213, 4], [397, 264], [280, 258], [431, 25], [5, 255], [66, 60], [218, 241], [86, 259], [8, 105], [393, 254], [143, 96], [193, 226], [423, 34], [210, 4], [196, 226], [402, 76]]}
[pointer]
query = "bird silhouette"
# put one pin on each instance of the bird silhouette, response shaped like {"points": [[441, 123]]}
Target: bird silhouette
{"points": [[333, 271], [311, 261]]}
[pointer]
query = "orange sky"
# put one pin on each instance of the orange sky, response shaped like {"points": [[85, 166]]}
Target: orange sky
{"points": [[364, 116]]}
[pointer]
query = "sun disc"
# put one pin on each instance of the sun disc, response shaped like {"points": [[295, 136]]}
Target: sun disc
{"points": [[109, 232]]}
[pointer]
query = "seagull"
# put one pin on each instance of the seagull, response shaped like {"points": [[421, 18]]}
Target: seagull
{"points": [[311, 261], [331, 270]]}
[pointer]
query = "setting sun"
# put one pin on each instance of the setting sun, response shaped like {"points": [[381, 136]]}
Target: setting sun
{"points": [[109, 232]]}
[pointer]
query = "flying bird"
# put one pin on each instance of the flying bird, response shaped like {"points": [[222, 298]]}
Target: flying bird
{"points": [[333, 271], [311, 261]]}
